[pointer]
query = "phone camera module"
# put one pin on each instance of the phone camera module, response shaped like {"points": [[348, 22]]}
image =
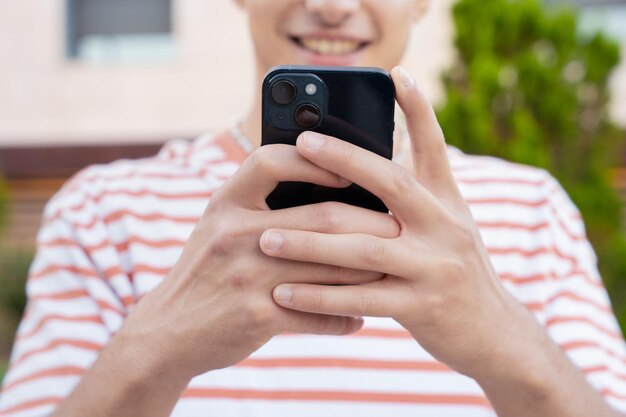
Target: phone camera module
{"points": [[307, 116], [284, 92]]}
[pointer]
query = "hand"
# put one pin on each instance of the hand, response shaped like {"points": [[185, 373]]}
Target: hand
{"points": [[438, 280], [215, 307]]}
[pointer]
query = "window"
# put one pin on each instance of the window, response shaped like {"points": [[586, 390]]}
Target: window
{"points": [[119, 30], [608, 16]]}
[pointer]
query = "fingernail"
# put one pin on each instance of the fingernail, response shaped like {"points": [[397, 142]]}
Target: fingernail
{"points": [[313, 141], [406, 79], [272, 240], [282, 294]]}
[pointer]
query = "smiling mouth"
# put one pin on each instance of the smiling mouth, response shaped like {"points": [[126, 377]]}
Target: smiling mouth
{"points": [[332, 47]]}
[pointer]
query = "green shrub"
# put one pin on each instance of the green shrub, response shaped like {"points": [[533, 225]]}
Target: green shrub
{"points": [[529, 87], [14, 264]]}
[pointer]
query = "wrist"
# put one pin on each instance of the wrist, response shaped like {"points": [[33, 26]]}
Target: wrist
{"points": [[143, 365], [523, 357]]}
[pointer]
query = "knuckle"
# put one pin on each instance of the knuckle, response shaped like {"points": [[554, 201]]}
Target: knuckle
{"points": [[323, 324], [239, 278], [434, 308], [463, 233], [263, 161], [365, 305], [451, 270], [223, 241], [374, 253], [347, 151], [340, 274], [257, 315], [326, 217], [403, 182], [309, 246], [317, 301]]}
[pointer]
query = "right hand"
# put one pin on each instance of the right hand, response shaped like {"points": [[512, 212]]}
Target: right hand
{"points": [[215, 307]]}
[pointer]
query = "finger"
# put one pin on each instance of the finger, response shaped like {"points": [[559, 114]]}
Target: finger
{"points": [[395, 186], [352, 300], [333, 217], [428, 146], [353, 251], [299, 322], [266, 167], [315, 273]]}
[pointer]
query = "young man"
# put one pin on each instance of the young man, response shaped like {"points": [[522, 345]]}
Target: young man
{"points": [[146, 301]]}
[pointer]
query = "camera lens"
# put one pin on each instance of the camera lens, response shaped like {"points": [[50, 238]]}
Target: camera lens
{"points": [[284, 92], [307, 115]]}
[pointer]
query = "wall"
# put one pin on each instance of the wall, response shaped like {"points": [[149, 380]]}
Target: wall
{"points": [[47, 99]]}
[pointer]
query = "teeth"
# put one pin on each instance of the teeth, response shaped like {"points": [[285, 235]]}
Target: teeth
{"points": [[329, 47]]}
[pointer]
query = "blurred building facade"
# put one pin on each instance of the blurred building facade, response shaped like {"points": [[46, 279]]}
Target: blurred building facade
{"points": [[130, 74], [70, 75], [128, 71]]}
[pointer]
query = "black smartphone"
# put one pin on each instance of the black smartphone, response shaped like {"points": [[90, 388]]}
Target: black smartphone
{"points": [[350, 103]]}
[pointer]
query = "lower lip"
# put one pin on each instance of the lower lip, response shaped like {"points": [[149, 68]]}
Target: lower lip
{"points": [[312, 58]]}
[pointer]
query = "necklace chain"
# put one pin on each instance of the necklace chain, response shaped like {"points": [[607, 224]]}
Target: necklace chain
{"points": [[241, 138]]}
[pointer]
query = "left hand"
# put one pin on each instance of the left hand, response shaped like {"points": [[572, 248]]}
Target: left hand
{"points": [[439, 282]]}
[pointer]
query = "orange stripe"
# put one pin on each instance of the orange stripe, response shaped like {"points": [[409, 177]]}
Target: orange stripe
{"points": [[50, 269], [31, 404], [344, 363], [575, 297], [81, 272], [58, 317], [513, 201], [565, 228], [508, 225], [531, 228], [603, 368], [109, 273], [120, 247], [571, 319], [69, 295], [80, 344], [383, 333], [586, 344], [150, 217], [523, 280], [64, 371], [380, 397], [369, 332], [530, 253], [506, 181], [607, 392], [151, 270], [134, 193], [528, 279]]}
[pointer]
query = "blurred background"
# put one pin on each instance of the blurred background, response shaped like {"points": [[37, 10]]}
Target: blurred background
{"points": [[91, 81]]}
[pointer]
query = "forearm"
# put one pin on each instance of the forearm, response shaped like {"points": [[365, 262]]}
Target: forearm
{"points": [[539, 380], [124, 381]]}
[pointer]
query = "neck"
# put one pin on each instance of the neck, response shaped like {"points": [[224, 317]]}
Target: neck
{"points": [[251, 124]]}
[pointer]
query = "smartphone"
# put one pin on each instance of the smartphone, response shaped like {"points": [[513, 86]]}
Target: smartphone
{"points": [[350, 103]]}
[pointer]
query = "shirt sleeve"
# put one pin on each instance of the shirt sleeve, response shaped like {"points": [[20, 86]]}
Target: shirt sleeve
{"points": [[72, 311], [578, 310]]}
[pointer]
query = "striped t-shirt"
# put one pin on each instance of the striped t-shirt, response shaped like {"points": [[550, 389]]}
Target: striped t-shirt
{"points": [[113, 232]]}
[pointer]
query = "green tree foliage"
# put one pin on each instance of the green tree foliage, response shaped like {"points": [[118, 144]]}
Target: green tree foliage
{"points": [[14, 265], [529, 87]]}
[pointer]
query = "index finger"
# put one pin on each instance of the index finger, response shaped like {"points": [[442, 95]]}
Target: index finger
{"points": [[428, 145], [269, 165], [407, 199]]}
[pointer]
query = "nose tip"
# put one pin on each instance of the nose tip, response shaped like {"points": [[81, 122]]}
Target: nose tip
{"points": [[333, 12]]}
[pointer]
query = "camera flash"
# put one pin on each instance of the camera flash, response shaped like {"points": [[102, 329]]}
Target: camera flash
{"points": [[311, 89]]}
